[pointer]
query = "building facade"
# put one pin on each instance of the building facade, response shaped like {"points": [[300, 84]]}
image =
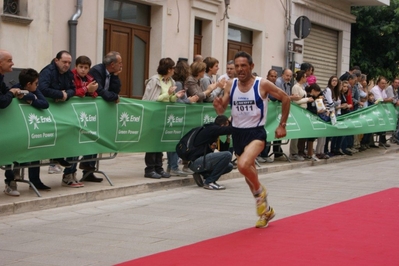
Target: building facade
{"points": [[144, 31]]}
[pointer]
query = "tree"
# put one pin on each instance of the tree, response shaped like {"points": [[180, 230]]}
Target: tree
{"points": [[375, 39]]}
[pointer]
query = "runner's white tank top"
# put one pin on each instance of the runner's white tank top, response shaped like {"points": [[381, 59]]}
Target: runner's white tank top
{"points": [[249, 109]]}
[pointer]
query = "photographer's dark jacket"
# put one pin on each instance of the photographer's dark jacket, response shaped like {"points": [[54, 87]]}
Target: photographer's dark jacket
{"points": [[208, 135]]}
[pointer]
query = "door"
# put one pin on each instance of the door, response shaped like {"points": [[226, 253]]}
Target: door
{"points": [[233, 47], [132, 42]]}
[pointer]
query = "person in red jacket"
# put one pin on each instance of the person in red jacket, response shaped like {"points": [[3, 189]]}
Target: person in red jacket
{"points": [[85, 86], [84, 82]]}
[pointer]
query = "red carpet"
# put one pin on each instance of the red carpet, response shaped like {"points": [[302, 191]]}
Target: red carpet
{"points": [[361, 231]]}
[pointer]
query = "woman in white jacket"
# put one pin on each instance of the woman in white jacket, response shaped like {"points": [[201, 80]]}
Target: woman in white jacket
{"points": [[299, 90], [161, 88]]}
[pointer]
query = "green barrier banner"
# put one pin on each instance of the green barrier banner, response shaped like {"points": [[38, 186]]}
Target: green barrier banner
{"points": [[84, 126], [303, 124]]}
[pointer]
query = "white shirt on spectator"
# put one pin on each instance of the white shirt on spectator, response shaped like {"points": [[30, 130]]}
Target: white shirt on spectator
{"points": [[378, 93]]}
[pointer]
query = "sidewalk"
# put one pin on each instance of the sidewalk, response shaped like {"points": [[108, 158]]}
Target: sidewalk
{"points": [[127, 174]]}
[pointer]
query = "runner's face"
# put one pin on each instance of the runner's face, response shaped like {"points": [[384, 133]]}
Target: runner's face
{"points": [[243, 68]]}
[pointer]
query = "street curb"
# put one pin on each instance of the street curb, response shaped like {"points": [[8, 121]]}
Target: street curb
{"points": [[121, 191]]}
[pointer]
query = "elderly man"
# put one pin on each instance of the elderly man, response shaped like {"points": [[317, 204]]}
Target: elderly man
{"points": [[392, 91], [109, 86], [106, 75], [284, 83], [6, 96], [264, 155], [380, 95]]}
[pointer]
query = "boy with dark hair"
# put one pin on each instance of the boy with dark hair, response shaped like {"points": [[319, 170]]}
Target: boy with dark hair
{"points": [[84, 82], [85, 86], [28, 80]]}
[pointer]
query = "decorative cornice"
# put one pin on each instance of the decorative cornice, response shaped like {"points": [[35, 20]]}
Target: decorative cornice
{"points": [[207, 5], [327, 10], [16, 19]]}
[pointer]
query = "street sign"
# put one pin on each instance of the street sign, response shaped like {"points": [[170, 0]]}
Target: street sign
{"points": [[295, 48], [302, 27]]}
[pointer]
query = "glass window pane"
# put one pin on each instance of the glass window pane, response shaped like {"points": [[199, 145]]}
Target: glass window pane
{"points": [[127, 11], [198, 27], [239, 35], [139, 52]]}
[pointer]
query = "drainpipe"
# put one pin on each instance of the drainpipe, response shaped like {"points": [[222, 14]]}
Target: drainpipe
{"points": [[288, 15], [73, 22]]}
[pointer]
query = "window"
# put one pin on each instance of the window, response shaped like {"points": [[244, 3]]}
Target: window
{"points": [[16, 11], [197, 37], [238, 40], [239, 35], [11, 7], [128, 12]]}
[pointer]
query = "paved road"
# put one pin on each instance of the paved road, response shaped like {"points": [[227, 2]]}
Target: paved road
{"points": [[115, 230]]}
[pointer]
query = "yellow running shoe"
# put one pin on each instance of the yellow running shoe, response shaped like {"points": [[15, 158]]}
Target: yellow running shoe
{"points": [[263, 221], [261, 202]]}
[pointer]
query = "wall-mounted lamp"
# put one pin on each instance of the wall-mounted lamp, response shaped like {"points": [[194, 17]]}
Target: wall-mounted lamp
{"points": [[226, 8]]}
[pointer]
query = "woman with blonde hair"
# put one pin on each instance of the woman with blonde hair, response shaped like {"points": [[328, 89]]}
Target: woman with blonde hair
{"points": [[193, 82]]}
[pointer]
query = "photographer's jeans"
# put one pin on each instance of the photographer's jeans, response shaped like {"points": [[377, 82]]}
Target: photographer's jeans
{"points": [[216, 164]]}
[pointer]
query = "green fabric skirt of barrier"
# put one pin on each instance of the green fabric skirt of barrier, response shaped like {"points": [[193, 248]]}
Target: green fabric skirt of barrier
{"points": [[83, 126]]}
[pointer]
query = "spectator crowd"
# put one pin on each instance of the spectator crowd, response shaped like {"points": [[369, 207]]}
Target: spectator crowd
{"points": [[192, 84]]}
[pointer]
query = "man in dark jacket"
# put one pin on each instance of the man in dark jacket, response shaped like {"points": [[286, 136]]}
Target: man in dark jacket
{"points": [[6, 96], [204, 161], [109, 86], [106, 75], [56, 79], [56, 82]]}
